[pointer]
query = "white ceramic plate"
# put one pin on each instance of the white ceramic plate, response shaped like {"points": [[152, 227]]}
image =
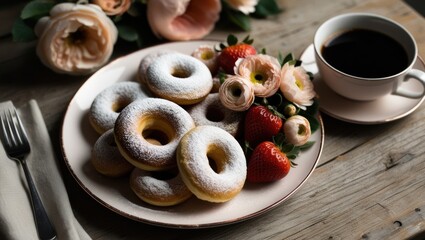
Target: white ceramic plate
{"points": [[385, 109], [115, 194]]}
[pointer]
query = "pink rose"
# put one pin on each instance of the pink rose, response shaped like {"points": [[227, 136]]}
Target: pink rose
{"points": [[75, 38], [183, 19]]}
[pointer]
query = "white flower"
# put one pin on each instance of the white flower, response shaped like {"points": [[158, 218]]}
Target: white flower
{"points": [[183, 19], [245, 6], [263, 71], [113, 7], [297, 130], [236, 93], [75, 38], [296, 86]]}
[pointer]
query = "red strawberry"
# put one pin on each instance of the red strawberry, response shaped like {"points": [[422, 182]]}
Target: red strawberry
{"points": [[261, 124], [230, 54], [267, 163]]}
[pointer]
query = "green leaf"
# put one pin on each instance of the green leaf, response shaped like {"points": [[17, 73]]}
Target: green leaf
{"points": [[314, 123], [128, 33], [307, 145], [36, 9], [222, 76], [288, 148], [297, 63], [288, 58], [310, 75], [232, 40], [266, 8], [21, 32], [248, 40], [239, 19]]}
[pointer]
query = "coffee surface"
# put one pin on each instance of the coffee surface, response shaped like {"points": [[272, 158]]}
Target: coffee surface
{"points": [[365, 53]]}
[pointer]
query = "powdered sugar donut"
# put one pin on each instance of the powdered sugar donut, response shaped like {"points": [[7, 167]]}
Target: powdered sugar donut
{"points": [[146, 61], [109, 102], [159, 188], [220, 182], [179, 78], [211, 112], [151, 118], [107, 159]]}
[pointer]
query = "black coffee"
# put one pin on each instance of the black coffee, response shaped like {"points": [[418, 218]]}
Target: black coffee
{"points": [[365, 53]]}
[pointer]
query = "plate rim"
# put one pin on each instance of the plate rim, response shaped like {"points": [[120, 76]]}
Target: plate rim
{"points": [[171, 225]]}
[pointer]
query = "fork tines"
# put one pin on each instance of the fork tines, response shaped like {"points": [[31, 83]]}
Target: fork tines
{"points": [[14, 134]]}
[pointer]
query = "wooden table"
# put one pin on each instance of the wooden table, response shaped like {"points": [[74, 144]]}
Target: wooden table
{"points": [[369, 183]]}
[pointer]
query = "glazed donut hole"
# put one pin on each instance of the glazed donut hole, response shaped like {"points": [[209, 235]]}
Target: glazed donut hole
{"points": [[156, 130]]}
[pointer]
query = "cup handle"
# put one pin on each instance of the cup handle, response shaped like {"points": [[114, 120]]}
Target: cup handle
{"points": [[419, 76]]}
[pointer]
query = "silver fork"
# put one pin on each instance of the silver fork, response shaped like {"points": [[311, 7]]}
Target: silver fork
{"points": [[15, 142]]}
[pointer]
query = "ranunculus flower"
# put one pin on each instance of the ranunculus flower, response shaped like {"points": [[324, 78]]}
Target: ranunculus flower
{"points": [[113, 7], [208, 56], [183, 19], [245, 6], [297, 130], [296, 86], [75, 38], [263, 71], [236, 93]]}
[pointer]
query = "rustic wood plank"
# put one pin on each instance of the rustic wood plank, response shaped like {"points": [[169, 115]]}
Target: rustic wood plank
{"points": [[369, 183]]}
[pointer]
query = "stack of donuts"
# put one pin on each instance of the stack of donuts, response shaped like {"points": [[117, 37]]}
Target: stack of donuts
{"points": [[169, 132]]}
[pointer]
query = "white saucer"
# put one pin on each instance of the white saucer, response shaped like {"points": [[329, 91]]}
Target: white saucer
{"points": [[385, 109]]}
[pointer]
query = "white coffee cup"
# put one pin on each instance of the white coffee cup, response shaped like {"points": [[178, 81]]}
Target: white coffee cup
{"points": [[363, 88]]}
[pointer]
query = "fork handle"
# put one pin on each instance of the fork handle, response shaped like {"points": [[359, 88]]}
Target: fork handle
{"points": [[44, 227]]}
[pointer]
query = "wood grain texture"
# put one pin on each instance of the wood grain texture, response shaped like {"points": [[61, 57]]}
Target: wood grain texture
{"points": [[370, 181]]}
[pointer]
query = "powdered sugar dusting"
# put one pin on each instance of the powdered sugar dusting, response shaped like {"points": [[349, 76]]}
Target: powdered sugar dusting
{"points": [[197, 84], [195, 146], [145, 184], [136, 146], [102, 115], [146, 61], [230, 121], [106, 157]]}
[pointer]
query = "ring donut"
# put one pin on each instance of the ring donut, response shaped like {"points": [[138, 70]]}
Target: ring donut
{"points": [[157, 189], [211, 163], [107, 159], [146, 119], [211, 112], [108, 103], [146, 61], [179, 78]]}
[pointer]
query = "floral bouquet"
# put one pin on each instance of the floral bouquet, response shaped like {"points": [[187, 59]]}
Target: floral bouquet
{"points": [[78, 37], [277, 97]]}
